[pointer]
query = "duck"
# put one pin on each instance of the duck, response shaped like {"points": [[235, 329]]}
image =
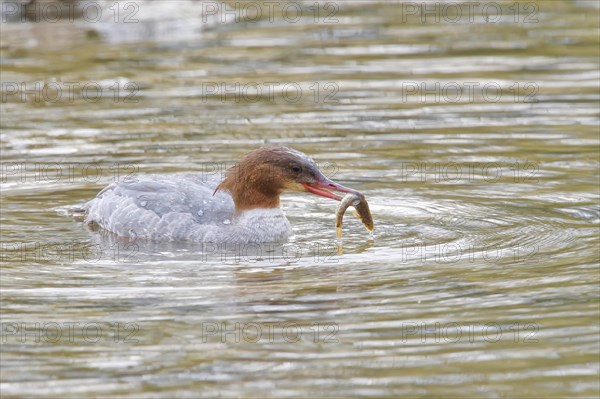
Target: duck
{"points": [[244, 207]]}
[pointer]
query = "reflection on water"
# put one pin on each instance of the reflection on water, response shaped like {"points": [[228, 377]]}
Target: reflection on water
{"points": [[475, 141]]}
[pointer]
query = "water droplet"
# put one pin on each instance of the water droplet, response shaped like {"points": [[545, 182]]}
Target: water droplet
{"points": [[144, 203], [200, 212], [226, 221]]}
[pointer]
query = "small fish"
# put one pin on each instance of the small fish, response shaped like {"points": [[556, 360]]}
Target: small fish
{"points": [[362, 212]]}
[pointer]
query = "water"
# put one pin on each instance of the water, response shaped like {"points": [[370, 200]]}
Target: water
{"points": [[481, 279]]}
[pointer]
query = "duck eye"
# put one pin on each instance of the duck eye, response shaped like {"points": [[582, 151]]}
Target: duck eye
{"points": [[296, 169]]}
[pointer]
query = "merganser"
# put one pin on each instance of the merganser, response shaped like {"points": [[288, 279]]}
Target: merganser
{"points": [[243, 208]]}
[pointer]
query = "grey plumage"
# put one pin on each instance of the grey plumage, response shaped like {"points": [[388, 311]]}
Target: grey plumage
{"points": [[181, 207]]}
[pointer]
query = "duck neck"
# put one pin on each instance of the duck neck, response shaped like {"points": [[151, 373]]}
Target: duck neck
{"points": [[250, 191], [249, 199]]}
